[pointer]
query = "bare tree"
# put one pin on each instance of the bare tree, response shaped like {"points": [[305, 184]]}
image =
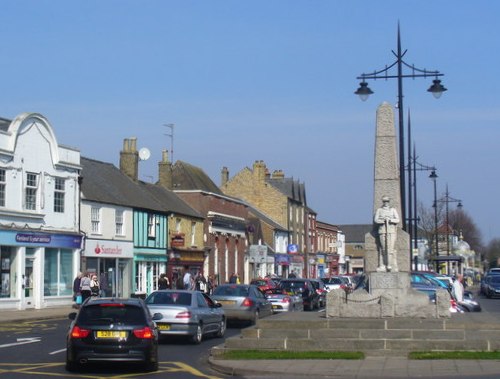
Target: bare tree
{"points": [[492, 253], [462, 223], [459, 221]]}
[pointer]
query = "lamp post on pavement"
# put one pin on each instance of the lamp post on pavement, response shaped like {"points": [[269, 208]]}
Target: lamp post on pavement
{"points": [[435, 251], [364, 92], [413, 167], [446, 199]]}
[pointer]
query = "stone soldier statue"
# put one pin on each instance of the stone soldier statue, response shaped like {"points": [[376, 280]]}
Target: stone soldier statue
{"points": [[387, 218]]}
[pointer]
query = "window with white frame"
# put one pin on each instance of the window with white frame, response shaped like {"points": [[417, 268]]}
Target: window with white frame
{"points": [[31, 191], [59, 190], [2, 187], [178, 222], [193, 233], [95, 219], [119, 222], [151, 226]]}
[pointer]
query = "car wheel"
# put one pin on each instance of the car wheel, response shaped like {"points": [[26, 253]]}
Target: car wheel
{"points": [[71, 366], [151, 365], [197, 337], [222, 329], [255, 317]]}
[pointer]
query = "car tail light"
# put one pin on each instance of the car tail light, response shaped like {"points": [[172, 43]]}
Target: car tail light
{"points": [[453, 303], [186, 314], [144, 333], [78, 332], [247, 302]]}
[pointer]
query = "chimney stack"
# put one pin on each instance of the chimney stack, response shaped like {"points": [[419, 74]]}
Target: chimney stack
{"points": [[224, 176], [129, 158], [165, 171]]}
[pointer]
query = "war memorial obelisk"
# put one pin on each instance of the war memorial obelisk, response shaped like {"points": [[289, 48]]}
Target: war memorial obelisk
{"points": [[388, 291]]}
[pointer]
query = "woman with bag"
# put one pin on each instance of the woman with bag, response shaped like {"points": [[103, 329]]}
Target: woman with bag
{"points": [[95, 288], [85, 287]]}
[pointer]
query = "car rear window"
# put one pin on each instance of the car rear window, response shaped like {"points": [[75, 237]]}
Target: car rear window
{"points": [[169, 298], [112, 313], [231, 291], [292, 285]]}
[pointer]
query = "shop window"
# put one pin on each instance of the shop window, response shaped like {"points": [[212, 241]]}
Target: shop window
{"points": [[119, 222], [7, 266], [58, 280], [2, 188], [59, 195], [31, 191]]}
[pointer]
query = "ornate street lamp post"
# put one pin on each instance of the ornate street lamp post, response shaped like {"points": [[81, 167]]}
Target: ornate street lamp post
{"points": [[446, 199], [364, 92], [435, 250]]}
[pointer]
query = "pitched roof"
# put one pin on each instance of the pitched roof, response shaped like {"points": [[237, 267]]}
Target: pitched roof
{"points": [[293, 189], [185, 176], [105, 183], [356, 232], [173, 202]]}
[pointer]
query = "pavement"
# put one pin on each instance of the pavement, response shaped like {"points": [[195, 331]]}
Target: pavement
{"points": [[370, 367]]}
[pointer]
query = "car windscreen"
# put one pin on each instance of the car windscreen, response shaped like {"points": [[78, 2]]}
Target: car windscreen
{"points": [[111, 313]]}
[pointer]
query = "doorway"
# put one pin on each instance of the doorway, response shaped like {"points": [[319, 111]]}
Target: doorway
{"points": [[29, 281]]}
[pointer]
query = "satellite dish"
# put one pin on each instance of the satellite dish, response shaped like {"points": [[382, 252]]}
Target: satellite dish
{"points": [[144, 154]]}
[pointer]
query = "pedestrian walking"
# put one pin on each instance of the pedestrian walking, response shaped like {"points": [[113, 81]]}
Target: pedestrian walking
{"points": [[85, 287], [95, 287], [163, 282]]}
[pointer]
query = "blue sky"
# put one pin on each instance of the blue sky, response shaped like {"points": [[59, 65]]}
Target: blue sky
{"points": [[265, 80]]}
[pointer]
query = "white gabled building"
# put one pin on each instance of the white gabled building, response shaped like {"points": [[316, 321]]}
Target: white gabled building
{"points": [[40, 241]]}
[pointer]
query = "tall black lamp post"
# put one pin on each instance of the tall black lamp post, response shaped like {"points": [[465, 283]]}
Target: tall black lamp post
{"points": [[435, 250], [364, 92], [413, 167], [447, 199]]}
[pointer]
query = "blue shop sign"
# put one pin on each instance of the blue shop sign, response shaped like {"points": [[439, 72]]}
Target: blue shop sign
{"points": [[17, 238]]}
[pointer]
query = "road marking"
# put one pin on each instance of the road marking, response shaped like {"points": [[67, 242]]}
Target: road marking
{"points": [[57, 352], [22, 341]]}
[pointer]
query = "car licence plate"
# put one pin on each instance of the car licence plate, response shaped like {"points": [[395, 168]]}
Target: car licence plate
{"points": [[163, 326], [111, 334], [226, 302]]}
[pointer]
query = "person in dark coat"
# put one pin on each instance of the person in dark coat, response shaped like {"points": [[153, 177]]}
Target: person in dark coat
{"points": [[76, 285], [163, 283]]}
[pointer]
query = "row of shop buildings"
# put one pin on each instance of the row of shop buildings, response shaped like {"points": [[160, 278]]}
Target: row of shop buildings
{"points": [[61, 213]]}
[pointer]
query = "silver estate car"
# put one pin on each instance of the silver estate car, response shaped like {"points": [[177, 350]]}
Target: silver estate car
{"points": [[187, 313], [242, 302]]}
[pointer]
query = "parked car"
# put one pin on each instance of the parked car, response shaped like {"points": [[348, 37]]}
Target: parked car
{"points": [[470, 302], [264, 283], [485, 279], [321, 290], [112, 330], [337, 281], [310, 297], [242, 302], [492, 283], [187, 313], [283, 301]]}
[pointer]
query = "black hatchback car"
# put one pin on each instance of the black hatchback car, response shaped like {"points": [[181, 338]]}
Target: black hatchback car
{"points": [[112, 329], [310, 298]]}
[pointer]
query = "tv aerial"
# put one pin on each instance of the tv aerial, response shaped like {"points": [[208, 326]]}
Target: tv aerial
{"points": [[144, 154]]}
